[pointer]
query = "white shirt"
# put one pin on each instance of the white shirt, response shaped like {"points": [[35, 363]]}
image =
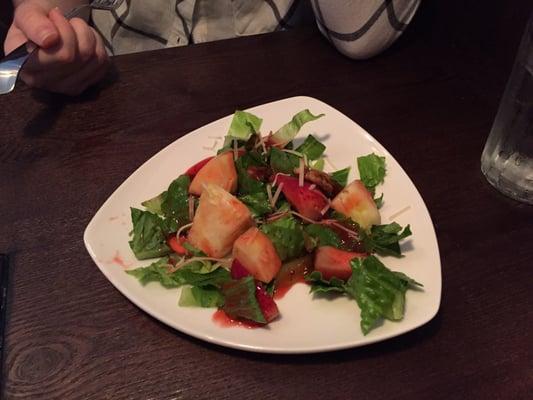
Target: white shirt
{"points": [[358, 28]]}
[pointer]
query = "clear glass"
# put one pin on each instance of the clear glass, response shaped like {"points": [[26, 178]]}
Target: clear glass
{"points": [[507, 159]]}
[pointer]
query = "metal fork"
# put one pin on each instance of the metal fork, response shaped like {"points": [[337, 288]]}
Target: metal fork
{"points": [[11, 64]]}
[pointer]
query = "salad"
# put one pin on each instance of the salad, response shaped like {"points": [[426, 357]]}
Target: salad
{"points": [[237, 230]]}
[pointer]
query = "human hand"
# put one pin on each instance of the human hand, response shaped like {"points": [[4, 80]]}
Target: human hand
{"points": [[71, 55]]}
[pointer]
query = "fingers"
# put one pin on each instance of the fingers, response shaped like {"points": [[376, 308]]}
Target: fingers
{"points": [[65, 51], [85, 37], [78, 60], [32, 19]]}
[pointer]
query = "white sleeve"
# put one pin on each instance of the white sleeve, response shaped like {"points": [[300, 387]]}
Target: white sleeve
{"points": [[363, 28]]}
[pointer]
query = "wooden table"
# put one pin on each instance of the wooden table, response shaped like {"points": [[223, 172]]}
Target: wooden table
{"points": [[431, 100]]}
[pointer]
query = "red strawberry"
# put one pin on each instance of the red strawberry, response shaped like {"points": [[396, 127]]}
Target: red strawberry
{"points": [[268, 306], [237, 270], [332, 262], [308, 201]]}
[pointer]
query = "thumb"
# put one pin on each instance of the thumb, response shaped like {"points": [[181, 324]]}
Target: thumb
{"points": [[32, 19]]}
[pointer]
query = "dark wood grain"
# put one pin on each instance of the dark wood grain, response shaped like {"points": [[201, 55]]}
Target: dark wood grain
{"points": [[430, 99]]}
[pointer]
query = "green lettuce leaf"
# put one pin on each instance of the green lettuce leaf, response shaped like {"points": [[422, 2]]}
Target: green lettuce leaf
{"points": [[281, 161], [175, 203], [149, 235], [379, 292], [312, 148], [155, 272], [193, 296], [319, 164], [193, 250], [201, 274], [257, 203], [341, 176], [247, 184], [372, 170], [384, 239], [321, 235], [240, 300], [320, 285], [154, 204], [287, 236], [289, 131], [243, 126]]}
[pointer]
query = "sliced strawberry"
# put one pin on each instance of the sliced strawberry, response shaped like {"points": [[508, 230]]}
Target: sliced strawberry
{"points": [[237, 270], [332, 262], [356, 202], [308, 201], [266, 303], [192, 171]]}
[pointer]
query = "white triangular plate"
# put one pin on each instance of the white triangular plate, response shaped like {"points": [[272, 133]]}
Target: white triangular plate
{"points": [[307, 325]]}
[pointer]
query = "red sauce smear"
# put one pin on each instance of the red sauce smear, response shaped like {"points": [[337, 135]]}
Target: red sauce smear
{"points": [[117, 259], [282, 290], [224, 320]]}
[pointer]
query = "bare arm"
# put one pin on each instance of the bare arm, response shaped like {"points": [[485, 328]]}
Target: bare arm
{"points": [[361, 29]]}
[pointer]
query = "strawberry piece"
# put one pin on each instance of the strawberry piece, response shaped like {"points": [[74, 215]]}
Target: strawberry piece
{"points": [[307, 201], [335, 263], [356, 202], [237, 270], [266, 303]]}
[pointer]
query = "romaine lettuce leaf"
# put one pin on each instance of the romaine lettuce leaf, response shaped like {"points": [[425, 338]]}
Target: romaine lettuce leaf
{"points": [[194, 296], [289, 131], [318, 284], [149, 235], [384, 239], [321, 235], [247, 184], [155, 272], [240, 300], [154, 204], [341, 176], [312, 148], [286, 235], [379, 292], [281, 161], [372, 170], [175, 203], [257, 203], [319, 164], [243, 126]]}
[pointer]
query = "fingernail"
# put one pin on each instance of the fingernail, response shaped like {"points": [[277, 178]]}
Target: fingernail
{"points": [[48, 38]]}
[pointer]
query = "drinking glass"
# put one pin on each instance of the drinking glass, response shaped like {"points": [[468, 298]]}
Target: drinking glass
{"points": [[507, 159]]}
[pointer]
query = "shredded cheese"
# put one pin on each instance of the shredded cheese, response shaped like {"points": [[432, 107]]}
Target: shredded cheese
{"points": [[269, 194], [301, 173], [296, 153], [276, 195], [183, 228], [191, 208], [312, 186], [262, 142], [325, 209]]}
